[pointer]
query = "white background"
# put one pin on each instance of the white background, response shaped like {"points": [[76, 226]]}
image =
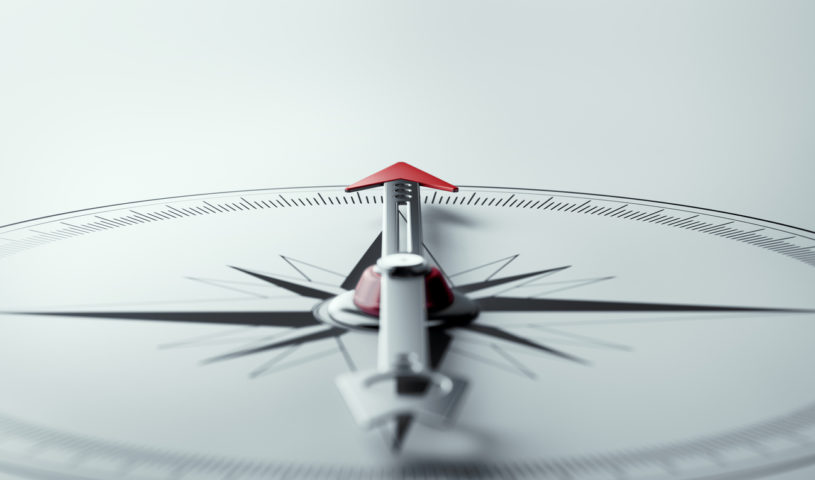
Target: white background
{"points": [[708, 103]]}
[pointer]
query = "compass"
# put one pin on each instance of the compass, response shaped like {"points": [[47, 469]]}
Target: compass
{"points": [[405, 331]]}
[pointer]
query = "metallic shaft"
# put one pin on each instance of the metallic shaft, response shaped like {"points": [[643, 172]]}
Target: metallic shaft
{"points": [[390, 220], [403, 317], [401, 193], [403, 346]]}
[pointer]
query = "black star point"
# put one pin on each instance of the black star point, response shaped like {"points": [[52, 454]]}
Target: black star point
{"points": [[306, 327]]}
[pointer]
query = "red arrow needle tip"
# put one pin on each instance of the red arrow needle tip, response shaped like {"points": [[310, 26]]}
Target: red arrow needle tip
{"points": [[401, 171]]}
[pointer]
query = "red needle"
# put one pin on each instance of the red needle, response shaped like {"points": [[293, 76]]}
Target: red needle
{"points": [[401, 171]]}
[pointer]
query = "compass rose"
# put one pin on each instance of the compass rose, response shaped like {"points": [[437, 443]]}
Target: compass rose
{"points": [[616, 325]]}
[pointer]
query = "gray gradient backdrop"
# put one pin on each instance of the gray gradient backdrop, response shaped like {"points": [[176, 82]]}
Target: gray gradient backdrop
{"points": [[709, 103], [703, 102]]}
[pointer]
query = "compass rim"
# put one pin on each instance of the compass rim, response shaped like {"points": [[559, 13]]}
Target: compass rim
{"points": [[304, 187]]}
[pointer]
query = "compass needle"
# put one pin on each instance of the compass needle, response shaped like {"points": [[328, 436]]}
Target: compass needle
{"points": [[400, 279], [387, 331]]}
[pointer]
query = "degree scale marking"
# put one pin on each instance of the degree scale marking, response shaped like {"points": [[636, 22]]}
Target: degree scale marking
{"points": [[36, 440], [780, 245]]}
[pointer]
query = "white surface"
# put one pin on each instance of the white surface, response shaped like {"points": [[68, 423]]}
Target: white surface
{"points": [[707, 103], [698, 102]]}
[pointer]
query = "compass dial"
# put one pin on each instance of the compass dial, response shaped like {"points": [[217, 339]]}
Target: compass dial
{"points": [[615, 338]]}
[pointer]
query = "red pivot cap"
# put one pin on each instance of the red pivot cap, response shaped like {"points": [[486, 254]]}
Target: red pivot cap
{"points": [[438, 295], [402, 171]]}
